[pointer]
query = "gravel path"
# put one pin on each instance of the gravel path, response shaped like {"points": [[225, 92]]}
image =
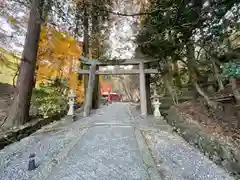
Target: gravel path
{"points": [[104, 153], [177, 160], [109, 150], [46, 143]]}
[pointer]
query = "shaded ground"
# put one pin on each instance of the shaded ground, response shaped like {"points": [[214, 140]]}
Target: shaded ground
{"points": [[222, 123], [6, 98], [6, 92]]}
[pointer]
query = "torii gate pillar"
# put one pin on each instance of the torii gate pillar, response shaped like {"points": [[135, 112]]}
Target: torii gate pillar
{"points": [[143, 95], [96, 92]]}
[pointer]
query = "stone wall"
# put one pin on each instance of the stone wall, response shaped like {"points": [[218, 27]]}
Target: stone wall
{"points": [[216, 149]]}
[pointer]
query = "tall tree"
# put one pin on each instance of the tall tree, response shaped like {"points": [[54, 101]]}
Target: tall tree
{"points": [[176, 30], [19, 111], [85, 40], [95, 46]]}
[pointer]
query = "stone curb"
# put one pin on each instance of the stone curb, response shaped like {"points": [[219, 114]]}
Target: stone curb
{"points": [[47, 168], [147, 157], [146, 154]]}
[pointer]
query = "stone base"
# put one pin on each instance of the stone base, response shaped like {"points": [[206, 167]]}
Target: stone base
{"points": [[70, 118], [159, 118]]}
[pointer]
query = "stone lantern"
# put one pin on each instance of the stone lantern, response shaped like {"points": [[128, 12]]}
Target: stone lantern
{"points": [[71, 103], [156, 104]]}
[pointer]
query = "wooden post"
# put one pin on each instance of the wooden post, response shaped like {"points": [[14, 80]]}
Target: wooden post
{"points": [[90, 88], [143, 96]]}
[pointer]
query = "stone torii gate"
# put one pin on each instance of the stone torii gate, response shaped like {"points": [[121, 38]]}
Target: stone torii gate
{"points": [[92, 72]]}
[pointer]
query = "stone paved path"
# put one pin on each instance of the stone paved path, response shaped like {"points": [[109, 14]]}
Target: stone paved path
{"points": [[109, 150], [104, 153], [106, 146]]}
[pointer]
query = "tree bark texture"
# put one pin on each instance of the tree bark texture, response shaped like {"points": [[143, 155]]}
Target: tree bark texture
{"points": [[125, 87], [217, 75], [19, 111], [95, 53], [235, 90], [85, 44], [177, 76], [168, 84], [193, 75]]}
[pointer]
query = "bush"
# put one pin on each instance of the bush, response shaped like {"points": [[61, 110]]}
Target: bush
{"points": [[49, 100], [231, 69]]}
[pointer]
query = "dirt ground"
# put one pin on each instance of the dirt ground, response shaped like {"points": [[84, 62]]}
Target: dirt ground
{"points": [[222, 123], [6, 92]]}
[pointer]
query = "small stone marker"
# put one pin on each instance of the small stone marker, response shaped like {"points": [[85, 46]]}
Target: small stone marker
{"points": [[71, 103], [156, 104], [31, 162]]}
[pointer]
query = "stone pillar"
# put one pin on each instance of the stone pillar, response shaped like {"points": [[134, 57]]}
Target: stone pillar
{"points": [[90, 88], [148, 91], [143, 96], [86, 76], [96, 93]]}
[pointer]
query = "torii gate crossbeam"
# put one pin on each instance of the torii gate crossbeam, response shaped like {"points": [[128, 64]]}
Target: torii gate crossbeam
{"points": [[121, 71]]}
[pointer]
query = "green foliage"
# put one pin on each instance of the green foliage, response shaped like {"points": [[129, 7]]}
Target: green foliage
{"points": [[231, 69], [8, 66], [167, 31], [49, 99], [190, 32]]}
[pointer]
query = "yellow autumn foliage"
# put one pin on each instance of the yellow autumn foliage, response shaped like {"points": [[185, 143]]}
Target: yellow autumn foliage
{"points": [[58, 58]]}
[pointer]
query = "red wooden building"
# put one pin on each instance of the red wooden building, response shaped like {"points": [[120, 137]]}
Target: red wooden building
{"points": [[106, 91]]}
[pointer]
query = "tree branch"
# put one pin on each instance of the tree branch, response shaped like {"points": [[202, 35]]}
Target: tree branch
{"points": [[123, 14]]}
